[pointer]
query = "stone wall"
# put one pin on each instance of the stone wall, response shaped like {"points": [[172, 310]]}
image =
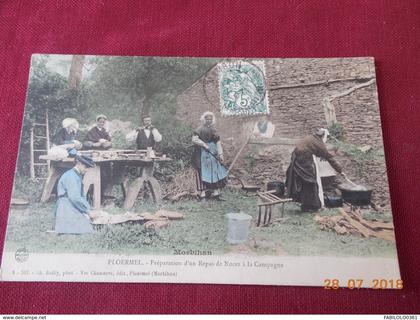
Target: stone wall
{"points": [[296, 89]]}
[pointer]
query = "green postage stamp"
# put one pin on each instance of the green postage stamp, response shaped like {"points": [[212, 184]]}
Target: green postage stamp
{"points": [[242, 88]]}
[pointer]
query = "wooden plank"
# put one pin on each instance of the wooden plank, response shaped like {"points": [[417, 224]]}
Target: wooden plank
{"points": [[275, 141], [274, 202], [273, 197], [264, 197], [316, 83], [386, 234], [376, 226], [361, 228]]}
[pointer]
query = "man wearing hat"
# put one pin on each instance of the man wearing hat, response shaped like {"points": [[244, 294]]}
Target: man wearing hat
{"points": [[148, 135], [98, 137], [72, 211], [303, 182]]}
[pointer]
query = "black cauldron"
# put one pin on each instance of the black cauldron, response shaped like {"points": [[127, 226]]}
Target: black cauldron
{"points": [[278, 186], [355, 196]]}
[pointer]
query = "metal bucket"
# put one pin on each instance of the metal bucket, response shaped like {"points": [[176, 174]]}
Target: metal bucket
{"points": [[238, 227]]}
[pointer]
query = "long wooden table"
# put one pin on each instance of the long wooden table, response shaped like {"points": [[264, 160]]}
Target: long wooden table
{"points": [[92, 176]]}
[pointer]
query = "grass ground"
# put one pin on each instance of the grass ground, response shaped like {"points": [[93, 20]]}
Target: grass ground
{"points": [[204, 228]]}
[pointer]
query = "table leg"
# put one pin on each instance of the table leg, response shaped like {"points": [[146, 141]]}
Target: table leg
{"points": [[93, 177], [132, 192], [155, 190], [53, 176], [119, 177]]}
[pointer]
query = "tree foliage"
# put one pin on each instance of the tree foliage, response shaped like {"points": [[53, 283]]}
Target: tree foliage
{"points": [[47, 91], [127, 87], [123, 88], [136, 84]]}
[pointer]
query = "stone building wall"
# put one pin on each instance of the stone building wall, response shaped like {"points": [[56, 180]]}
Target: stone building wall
{"points": [[296, 89]]}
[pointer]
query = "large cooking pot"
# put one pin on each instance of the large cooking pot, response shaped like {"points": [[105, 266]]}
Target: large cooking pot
{"points": [[278, 186], [355, 196]]}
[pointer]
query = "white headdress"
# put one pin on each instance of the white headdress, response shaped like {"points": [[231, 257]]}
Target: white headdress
{"points": [[67, 122], [99, 116], [207, 113], [323, 133]]}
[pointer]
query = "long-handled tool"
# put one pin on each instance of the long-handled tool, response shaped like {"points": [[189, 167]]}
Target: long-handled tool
{"points": [[355, 185], [348, 180], [239, 152], [244, 186]]}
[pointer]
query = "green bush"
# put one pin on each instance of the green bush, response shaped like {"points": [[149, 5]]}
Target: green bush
{"points": [[337, 131], [27, 188]]}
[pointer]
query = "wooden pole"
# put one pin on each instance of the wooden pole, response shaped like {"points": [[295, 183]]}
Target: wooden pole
{"points": [[47, 136], [239, 152], [32, 166]]}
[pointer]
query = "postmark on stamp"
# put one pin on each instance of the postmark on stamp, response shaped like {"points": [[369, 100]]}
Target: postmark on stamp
{"points": [[242, 88]]}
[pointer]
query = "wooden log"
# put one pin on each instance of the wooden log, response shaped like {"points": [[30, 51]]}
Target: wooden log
{"points": [[377, 226], [151, 217], [171, 215], [181, 195], [386, 234], [361, 228], [340, 230]]}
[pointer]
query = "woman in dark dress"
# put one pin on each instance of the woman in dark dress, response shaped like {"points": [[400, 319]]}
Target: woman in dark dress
{"points": [[98, 137], [67, 136], [302, 183]]}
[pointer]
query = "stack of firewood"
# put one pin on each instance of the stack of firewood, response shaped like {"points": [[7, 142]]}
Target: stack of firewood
{"points": [[351, 221], [158, 220], [182, 186]]}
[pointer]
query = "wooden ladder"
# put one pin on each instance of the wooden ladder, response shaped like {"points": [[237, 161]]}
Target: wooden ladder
{"points": [[41, 135]]}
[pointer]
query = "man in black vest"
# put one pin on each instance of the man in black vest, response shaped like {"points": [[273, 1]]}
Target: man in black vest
{"points": [[148, 135]]}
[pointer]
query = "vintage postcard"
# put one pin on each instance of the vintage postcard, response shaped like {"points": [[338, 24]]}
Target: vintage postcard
{"points": [[201, 170]]}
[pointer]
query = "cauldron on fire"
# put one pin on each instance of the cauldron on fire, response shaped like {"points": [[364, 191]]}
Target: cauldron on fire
{"points": [[356, 195]]}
